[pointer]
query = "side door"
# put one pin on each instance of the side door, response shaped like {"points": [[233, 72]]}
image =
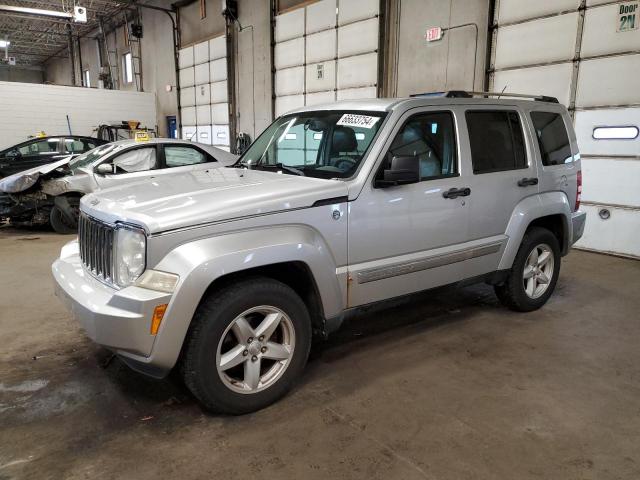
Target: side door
{"points": [[504, 168], [129, 165], [408, 238]]}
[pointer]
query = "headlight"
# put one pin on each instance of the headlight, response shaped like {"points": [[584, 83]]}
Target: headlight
{"points": [[131, 247]]}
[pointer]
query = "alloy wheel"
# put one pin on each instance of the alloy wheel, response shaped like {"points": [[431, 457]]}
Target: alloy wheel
{"points": [[255, 349], [538, 271]]}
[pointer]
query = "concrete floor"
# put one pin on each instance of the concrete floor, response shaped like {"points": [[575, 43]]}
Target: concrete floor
{"points": [[445, 385]]}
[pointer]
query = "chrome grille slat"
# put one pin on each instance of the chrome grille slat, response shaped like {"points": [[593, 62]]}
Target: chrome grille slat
{"points": [[96, 247], [101, 246], [80, 235]]}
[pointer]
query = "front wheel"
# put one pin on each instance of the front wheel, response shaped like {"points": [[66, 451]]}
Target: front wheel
{"points": [[59, 221], [534, 273], [247, 345]]}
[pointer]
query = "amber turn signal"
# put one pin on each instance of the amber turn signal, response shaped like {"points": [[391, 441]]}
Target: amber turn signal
{"points": [[158, 313]]}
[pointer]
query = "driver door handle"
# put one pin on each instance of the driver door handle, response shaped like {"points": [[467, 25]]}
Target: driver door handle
{"points": [[525, 182], [456, 192]]}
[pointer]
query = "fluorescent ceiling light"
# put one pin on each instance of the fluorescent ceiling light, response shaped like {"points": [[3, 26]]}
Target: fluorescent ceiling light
{"points": [[4, 43]]}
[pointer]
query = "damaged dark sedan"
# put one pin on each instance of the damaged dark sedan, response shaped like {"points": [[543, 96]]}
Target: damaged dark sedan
{"points": [[43, 150]]}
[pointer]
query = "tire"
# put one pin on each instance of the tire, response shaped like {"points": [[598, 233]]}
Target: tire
{"points": [[59, 221], [516, 292], [215, 334]]}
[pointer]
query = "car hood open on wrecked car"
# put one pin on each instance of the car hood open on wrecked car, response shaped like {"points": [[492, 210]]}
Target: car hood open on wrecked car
{"points": [[21, 181], [206, 196]]}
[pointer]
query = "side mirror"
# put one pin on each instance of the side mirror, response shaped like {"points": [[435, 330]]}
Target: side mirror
{"points": [[104, 169], [404, 170]]}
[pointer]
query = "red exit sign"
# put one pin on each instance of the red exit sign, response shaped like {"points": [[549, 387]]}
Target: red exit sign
{"points": [[433, 34]]}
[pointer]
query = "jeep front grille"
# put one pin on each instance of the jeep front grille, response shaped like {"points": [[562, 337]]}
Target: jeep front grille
{"points": [[96, 247]]}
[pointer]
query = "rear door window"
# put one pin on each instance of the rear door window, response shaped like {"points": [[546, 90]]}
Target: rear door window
{"points": [[553, 140], [496, 140], [177, 156], [76, 145]]}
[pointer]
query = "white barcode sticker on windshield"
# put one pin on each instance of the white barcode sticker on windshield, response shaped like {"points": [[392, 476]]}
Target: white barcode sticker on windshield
{"points": [[353, 120]]}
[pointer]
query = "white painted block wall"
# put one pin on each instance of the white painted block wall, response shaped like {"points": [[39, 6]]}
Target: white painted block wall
{"points": [[27, 109]]}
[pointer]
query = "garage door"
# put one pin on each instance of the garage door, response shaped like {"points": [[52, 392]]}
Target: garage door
{"points": [[204, 104], [590, 59], [325, 51]]}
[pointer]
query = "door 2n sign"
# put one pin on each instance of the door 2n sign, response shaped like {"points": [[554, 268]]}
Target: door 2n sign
{"points": [[627, 16]]}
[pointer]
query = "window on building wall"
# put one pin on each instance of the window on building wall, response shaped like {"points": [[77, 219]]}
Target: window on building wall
{"points": [[615, 133], [87, 78], [127, 68]]}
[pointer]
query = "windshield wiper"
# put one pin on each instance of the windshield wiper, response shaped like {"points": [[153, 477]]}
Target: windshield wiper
{"points": [[280, 166]]}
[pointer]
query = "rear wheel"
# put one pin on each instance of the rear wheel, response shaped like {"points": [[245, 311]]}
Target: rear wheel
{"points": [[534, 273], [59, 221], [247, 345]]}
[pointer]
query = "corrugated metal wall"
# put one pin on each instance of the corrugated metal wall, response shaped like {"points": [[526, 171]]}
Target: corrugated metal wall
{"points": [[574, 50], [204, 103], [325, 51]]}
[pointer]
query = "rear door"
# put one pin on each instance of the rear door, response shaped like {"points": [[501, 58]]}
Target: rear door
{"points": [[504, 170]]}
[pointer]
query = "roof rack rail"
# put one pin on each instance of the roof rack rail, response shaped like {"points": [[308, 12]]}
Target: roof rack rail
{"points": [[464, 94], [447, 94], [537, 98]]}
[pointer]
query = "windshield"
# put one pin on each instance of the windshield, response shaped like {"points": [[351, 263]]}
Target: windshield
{"points": [[91, 156], [324, 144]]}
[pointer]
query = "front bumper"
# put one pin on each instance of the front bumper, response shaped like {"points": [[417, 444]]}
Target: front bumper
{"points": [[117, 319], [578, 220]]}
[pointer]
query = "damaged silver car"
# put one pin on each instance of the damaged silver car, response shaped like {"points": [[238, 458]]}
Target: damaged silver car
{"points": [[51, 194]]}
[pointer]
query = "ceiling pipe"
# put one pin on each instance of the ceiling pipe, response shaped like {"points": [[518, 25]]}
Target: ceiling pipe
{"points": [[71, 55], [182, 3]]}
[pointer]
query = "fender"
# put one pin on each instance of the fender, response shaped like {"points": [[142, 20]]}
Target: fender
{"points": [[201, 262], [529, 209]]}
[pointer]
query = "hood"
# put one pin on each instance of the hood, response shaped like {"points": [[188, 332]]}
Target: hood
{"points": [[21, 181], [161, 204]]}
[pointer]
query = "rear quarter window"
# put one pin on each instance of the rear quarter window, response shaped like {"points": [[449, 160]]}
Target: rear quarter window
{"points": [[553, 139]]}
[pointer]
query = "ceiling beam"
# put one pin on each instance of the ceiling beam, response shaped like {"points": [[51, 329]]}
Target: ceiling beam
{"points": [[32, 54]]}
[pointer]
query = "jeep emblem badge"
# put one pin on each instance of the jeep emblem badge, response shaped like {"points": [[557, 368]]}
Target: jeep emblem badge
{"points": [[336, 214]]}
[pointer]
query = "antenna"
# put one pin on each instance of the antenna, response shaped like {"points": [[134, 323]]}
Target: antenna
{"points": [[505, 87]]}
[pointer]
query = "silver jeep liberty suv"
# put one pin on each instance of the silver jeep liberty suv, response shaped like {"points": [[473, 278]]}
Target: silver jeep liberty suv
{"points": [[228, 273]]}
